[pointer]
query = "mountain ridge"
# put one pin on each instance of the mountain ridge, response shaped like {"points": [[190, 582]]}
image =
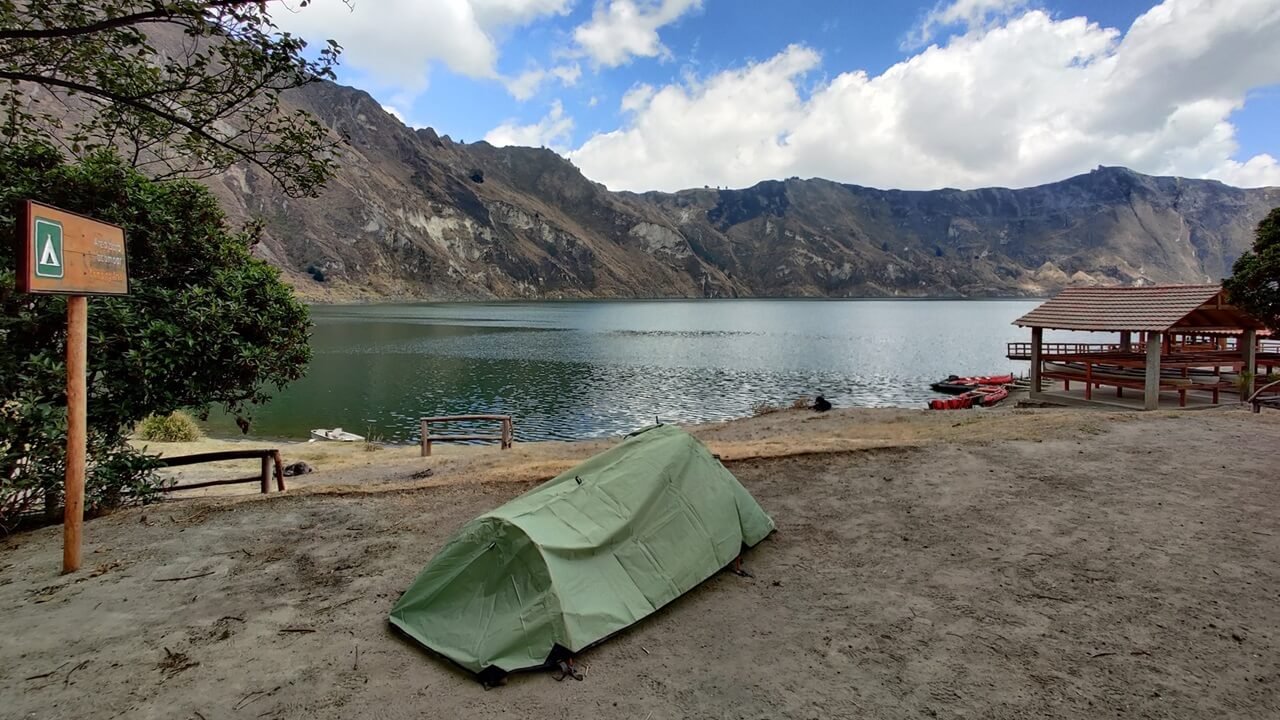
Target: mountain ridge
{"points": [[415, 215]]}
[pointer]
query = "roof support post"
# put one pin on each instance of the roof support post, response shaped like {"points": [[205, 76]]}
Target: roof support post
{"points": [[1249, 353], [1151, 392], [1037, 339], [1126, 340]]}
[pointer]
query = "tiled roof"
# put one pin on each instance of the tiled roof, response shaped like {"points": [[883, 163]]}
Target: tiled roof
{"points": [[1155, 309]]}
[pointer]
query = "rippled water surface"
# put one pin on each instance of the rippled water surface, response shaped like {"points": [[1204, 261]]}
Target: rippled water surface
{"points": [[570, 370]]}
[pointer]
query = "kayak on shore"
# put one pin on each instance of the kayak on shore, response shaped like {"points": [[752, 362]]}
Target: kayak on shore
{"points": [[957, 385], [981, 396]]}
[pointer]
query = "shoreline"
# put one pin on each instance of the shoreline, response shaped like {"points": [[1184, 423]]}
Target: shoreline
{"points": [[783, 433], [399, 300]]}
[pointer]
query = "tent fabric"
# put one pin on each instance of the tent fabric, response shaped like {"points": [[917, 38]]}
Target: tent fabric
{"points": [[582, 556]]}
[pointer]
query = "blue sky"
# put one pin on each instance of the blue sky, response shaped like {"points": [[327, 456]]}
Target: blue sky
{"points": [[662, 94]]}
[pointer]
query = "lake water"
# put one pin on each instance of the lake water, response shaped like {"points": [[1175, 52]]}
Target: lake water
{"points": [[570, 370]]}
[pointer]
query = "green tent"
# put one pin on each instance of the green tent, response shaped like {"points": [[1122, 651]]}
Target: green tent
{"points": [[582, 556]]}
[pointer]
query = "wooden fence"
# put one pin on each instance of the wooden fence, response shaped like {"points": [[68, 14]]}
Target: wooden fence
{"points": [[1022, 350], [1266, 396], [505, 438], [271, 465]]}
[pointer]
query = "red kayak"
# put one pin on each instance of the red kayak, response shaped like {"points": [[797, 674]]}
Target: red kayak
{"points": [[981, 396], [955, 384]]}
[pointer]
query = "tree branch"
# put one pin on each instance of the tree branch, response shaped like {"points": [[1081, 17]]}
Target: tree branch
{"points": [[161, 14], [159, 112]]}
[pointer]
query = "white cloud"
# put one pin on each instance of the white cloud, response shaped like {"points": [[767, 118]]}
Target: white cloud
{"points": [[528, 83], [395, 41], [395, 113], [637, 97], [499, 13], [567, 74], [1258, 171], [969, 14], [551, 131], [1025, 100], [622, 29]]}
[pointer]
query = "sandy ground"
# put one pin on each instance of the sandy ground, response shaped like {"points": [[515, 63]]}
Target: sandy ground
{"points": [[1017, 565]]}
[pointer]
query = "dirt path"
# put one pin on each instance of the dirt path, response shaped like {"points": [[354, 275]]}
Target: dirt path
{"points": [[1122, 569]]}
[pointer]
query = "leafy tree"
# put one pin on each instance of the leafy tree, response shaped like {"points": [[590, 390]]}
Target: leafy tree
{"points": [[185, 87], [1255, 281], [205, 323]]}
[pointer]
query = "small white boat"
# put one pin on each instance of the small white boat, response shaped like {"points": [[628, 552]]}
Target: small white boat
{"points": [[337, 434]]}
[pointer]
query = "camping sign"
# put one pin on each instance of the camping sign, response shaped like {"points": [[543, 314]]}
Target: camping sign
{"points": [[64, 253]]}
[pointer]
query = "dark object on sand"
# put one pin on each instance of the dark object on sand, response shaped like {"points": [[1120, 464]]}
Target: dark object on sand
{"points": [[821, 404], [298, 468]]}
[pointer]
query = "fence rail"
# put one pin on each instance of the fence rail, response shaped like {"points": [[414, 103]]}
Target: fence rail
{"points": [[1022, 350], [271, 465], [506, 438]]}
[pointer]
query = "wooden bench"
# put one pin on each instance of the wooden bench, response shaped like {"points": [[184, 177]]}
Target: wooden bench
{"points": [[1092, 379], [1266, 396], [506, 438], [271, 465]]}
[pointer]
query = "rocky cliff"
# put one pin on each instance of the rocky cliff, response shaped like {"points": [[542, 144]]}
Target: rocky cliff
{"points": [[416, 215]]}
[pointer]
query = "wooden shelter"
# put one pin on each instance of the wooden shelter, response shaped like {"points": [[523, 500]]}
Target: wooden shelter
{"points": [[1172, 338]]}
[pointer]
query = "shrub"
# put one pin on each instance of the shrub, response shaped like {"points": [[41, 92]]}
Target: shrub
{"points": [[177, 426], [1244, 385], [1255, 281], [205, 324]]}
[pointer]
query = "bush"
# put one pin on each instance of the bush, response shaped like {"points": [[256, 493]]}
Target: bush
{"points": [[1255, 281], [33, 455], [205, 323], [177, 426]]}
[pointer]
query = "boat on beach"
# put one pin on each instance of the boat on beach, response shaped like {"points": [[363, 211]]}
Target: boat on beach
{"points": [[336, 435], [957, 385], [981, 396]]}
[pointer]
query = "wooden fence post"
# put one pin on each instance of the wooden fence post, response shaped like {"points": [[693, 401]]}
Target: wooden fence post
{"points": [[506, 434], [266, 474], [77, 394], [275, 456], [426, 439]]}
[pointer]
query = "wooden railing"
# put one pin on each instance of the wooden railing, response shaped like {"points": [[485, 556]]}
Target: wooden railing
{"points": [[1022, 350], [271, 465], [505, 438], [1272, 399]]}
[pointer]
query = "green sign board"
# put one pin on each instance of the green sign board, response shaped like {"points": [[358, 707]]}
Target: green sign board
{"points": [[49, 258]]}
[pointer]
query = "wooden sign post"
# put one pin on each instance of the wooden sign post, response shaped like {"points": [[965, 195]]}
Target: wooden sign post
{"points": [[62, 253]]}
